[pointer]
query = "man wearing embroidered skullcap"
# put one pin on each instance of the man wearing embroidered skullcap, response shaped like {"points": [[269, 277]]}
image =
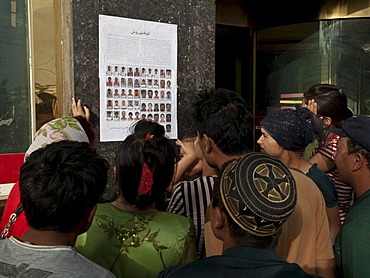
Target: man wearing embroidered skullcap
{"points": [[353, 163], [252, 198]]}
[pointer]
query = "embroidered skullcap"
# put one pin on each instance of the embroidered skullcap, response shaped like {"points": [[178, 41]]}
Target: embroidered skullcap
{"points": [[259, 193], [293, 129], [66, 128]]}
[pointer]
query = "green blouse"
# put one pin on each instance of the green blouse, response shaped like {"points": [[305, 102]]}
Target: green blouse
{"points": [[137, 244]]}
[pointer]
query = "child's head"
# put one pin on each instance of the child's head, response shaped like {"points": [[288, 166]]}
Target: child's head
{"points": [[331, 103], [145, 167]]}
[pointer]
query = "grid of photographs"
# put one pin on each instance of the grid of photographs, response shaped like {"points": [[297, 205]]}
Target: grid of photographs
{"points": [[134, 92]]}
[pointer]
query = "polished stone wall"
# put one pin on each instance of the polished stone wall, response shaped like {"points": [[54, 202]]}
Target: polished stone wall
{"points": [[196, 52]]}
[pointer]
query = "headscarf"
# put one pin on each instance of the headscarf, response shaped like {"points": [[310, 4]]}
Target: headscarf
{"points": [[293, 129], [66, 128]]}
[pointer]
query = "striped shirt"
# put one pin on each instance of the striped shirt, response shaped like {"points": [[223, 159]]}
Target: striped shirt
{"points": [[344, 191], [191, 199]]}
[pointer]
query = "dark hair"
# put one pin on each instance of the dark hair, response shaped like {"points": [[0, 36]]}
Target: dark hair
{"points": [[46, 105], [44, 109], [60, 183], [142, 127], [224, 117], [237, 233], [331, 102], [159, 155]]}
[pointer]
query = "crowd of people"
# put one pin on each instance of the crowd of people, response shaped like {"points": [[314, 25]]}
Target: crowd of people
{"points": [[204, 206]]}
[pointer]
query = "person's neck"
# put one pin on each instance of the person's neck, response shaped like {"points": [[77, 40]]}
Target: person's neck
{"points": [[223, 158], [122, 204], [208, 170], [49, 238], [294, 160], [361, 183]]}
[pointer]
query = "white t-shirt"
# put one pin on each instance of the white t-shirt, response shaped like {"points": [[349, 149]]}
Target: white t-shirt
{"points": [[20, 259]]}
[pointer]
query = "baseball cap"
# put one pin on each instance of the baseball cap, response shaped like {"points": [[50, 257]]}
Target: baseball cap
{"points": [[357, 128]]}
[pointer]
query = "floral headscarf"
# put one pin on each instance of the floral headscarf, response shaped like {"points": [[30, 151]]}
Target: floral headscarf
{"points": [[66, 128]]}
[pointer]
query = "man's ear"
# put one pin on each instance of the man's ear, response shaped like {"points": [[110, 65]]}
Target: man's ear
{"points": [[86, 221], [208, 143], [327, 121], [358, 162], [220, 219], [91, 214]]}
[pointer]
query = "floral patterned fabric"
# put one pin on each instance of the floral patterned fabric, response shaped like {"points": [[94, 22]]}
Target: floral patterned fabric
{"points": [[66, 128], [137, 244]]}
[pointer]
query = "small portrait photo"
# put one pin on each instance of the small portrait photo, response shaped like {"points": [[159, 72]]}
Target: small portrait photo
{"points": [[162, 118], [162, 94], [116, 104], [116, 115], [168, 107], [150, 94], [162, 107], [150, 117], [156, 73], [168, 84], [123, 104], [130, 116], [136, 72], [136, 93], [168, 73], [168, 118], [130, 72], [109, 81], [109, 70], [143, 107], [150, 72], [168, 95], [161, 74], [156, 94], [143, 93], [143, 72], [130, 104], [116, 82], [143, 116], [115, 72], [123, 93], [168, 128], [163, 83], [150, 83], [137, 116], [150, 107], [109, 115], [156, 84], [109, 92], [156, 107], [129, 83], [156, 117], [143, 83], [109, 104], [136, 83], [123, 71], [123, 116], [136, 104], [116, 93], [130, 93], [123, 82]]}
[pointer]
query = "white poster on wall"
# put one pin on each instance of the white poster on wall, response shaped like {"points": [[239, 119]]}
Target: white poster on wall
{"points": [[138, 75]]}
